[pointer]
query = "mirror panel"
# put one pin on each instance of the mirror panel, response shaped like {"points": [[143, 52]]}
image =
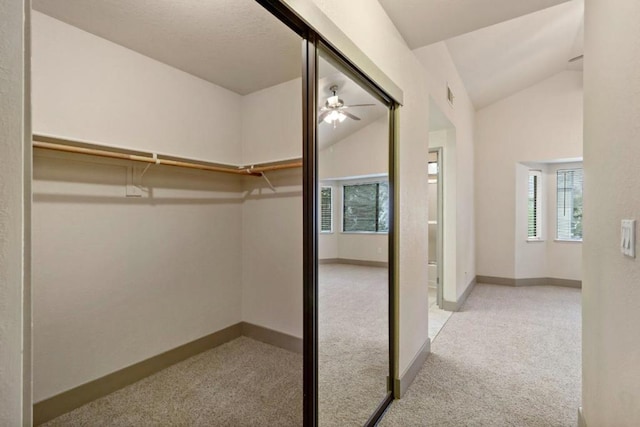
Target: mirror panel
{"points": [[353, 242]]}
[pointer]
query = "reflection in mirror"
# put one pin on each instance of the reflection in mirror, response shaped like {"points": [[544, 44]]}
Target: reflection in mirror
{"points": [[143, 266], [353, 278]]}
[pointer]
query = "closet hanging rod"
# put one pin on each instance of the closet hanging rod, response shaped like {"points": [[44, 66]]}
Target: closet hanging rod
{"points": [[59, 144]]}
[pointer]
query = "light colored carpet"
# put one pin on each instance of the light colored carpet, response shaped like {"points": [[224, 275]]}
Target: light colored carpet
{"points": [[240, 383], [353, 339], [511, 357], [248, 383]]}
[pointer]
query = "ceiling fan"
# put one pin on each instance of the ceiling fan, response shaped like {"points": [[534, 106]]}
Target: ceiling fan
{"points": [[333, 110], [577, 58]]}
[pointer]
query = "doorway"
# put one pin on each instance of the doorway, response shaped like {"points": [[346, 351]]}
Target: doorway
{"points": [[441, 262], [435, 221]]}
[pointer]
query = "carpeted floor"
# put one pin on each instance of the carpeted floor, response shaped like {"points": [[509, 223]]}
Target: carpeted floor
{"points": [[248, 383], [353, 345], [214, 388], [511, 357]]}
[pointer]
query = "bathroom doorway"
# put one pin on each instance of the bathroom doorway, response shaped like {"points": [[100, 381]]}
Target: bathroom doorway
{"points": [[441, 268], [435, 270]]}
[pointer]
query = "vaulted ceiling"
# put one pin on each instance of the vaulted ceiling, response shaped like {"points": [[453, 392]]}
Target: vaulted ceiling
{"points": [[231, 43], [498, 46], [502, 59], [423, 22]]}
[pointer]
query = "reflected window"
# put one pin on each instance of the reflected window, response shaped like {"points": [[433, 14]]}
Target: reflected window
{"points": [[366, 207], [326, 210]]}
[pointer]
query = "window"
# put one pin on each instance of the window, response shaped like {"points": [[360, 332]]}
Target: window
{"points": [[366, 207], [326, 210], [535, 206], [569, 207]]}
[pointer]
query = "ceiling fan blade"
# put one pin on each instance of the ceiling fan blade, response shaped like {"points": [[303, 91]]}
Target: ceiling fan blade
{"points": [[576, 58], [322, 115], [358, 105], [351, 116]]}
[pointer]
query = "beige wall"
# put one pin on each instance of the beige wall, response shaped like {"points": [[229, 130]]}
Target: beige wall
{"points": [[15, 170], [547, 257], [611, 286], [459, 216], [540, 123], [363, 153], [272, 123], [272, 252], [107, 90], [122, 279]]}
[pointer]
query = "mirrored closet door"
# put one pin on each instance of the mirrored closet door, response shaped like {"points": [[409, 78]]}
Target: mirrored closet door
{"points": [[353, 247]]}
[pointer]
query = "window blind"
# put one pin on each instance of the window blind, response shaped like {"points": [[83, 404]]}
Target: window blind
{"points": [[326, 210], [569, 184], [366, 207], [534, 205]]}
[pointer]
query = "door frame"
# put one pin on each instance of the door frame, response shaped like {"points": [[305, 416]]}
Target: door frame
{"points": [[440, 226]]}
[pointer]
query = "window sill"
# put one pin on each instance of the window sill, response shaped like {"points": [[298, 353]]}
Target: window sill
{"points": [[365, 232], [326, 232], [535, 240], [566, 241]]}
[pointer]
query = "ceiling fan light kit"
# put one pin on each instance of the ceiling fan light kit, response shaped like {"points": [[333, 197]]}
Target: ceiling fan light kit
{"points": [[332, 110]]}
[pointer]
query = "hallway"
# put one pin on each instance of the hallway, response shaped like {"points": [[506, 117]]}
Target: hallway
{"points": [[511, 356]]}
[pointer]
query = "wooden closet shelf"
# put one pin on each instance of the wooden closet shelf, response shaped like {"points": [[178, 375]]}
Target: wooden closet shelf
{"points": [[70, 146]]}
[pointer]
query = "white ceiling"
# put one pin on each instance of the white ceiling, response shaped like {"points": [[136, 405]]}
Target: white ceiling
{"points": [[502, 59], [351, 93], [423, 22], [233, 43]]}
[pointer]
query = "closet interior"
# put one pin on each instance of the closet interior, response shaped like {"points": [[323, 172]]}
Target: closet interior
{"points": [[167, 214]]}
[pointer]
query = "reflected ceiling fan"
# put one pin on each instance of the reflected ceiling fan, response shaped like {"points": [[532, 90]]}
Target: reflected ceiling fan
{"points": [[333, 110], [577, 58]]}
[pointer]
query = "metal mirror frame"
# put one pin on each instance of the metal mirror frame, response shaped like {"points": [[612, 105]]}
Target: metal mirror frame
{"points": [[289, 12]]}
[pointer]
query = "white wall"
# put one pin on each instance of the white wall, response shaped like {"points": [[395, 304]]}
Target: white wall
{"points": [[375, 34], [440, 72], [611, 286], [15, 161], [90, 89], [540, 123], [118, 280]]}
